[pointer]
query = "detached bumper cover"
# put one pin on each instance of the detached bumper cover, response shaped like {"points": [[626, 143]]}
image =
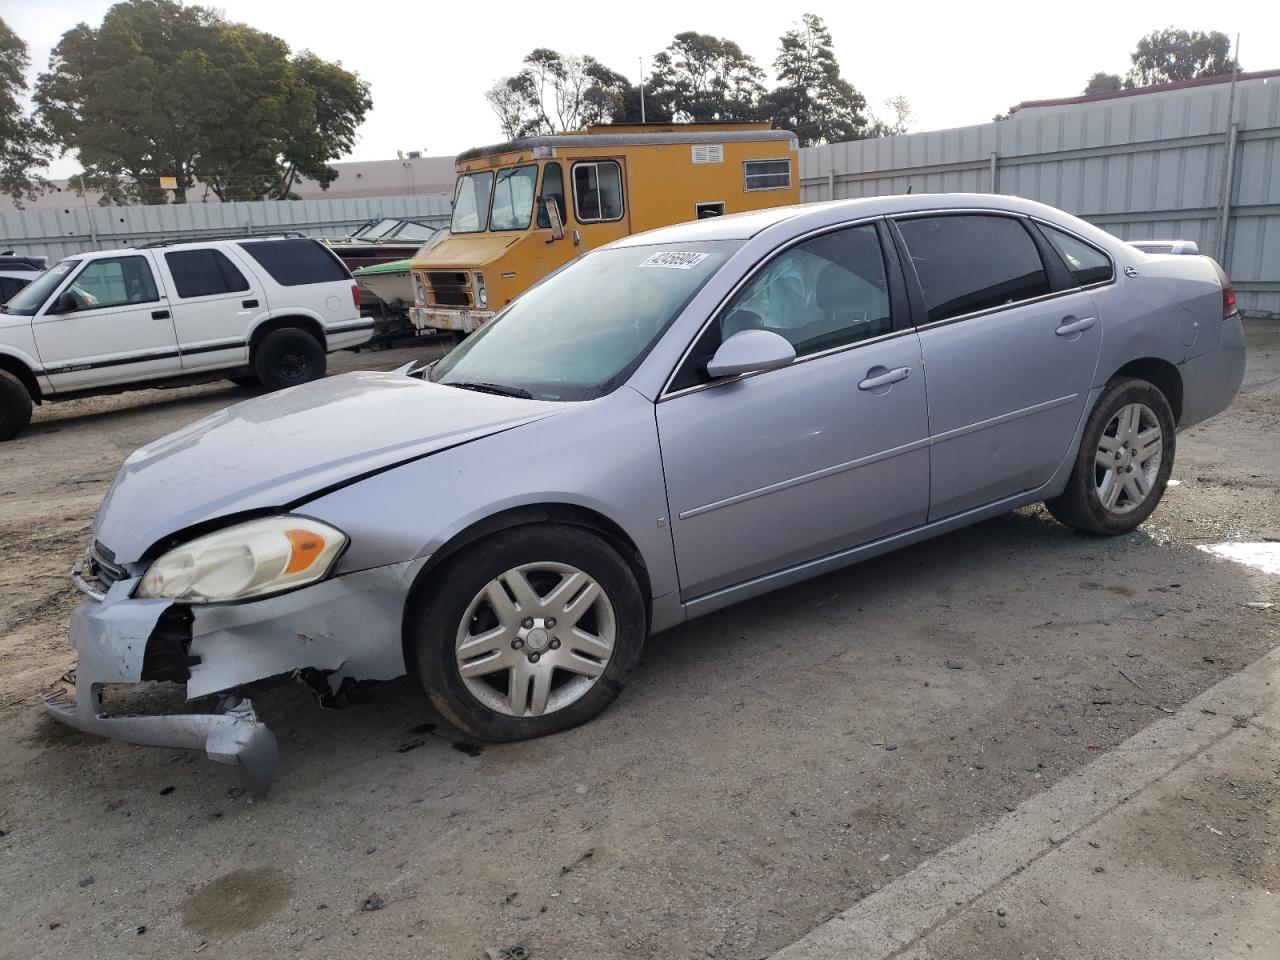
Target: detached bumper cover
{"points": [[349, 626]]}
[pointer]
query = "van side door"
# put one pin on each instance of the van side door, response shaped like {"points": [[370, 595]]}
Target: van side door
{"points": [[600, 202], [215, 300], [110, 323]]}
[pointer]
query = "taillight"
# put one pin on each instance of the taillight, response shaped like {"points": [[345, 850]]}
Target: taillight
{"points": [[1228, 301], [355, 295]]}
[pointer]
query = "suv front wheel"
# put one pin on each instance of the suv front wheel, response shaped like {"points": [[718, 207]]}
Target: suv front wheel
{"points": [[15, 406], [287, 357]]}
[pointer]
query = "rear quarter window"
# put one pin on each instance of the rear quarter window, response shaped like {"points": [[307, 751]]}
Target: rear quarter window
{"points": [[292, 263]]}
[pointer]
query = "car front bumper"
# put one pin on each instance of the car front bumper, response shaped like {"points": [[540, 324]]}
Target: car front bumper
{"points": [[348, 626]]}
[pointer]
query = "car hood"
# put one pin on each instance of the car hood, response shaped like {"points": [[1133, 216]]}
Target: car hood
{"points": [[282, 448]]}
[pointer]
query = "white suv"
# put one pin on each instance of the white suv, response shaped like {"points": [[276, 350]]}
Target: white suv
{"points": [[254, 309]]}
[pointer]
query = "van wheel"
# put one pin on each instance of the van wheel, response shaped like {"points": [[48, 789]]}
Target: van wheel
{"points": [[288, 357], [1124, 461], [15, 406], [526, 633]]}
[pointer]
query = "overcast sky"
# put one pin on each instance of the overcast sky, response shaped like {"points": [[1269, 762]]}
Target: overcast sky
{"points": [[429, 63]]}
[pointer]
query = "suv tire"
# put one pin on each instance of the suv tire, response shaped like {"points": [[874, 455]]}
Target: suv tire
{"points": [[287, 357], [565, 672], [1124, 461], [15, 406]]}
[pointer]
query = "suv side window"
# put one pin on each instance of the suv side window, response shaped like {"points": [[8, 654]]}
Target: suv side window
{"points": [[204, 273], [826, 292], [293, 263], [114, 282], [971, 262], [597, 191], [1086, 262]]}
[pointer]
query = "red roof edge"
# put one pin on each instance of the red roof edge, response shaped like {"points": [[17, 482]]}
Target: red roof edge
{"points": [[1156, 88]]}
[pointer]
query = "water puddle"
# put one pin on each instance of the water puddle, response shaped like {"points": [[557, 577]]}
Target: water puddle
{"points": [[1260, 556]]}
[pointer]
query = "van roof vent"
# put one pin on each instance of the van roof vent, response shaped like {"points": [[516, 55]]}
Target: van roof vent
{"points": [[708, 153]]}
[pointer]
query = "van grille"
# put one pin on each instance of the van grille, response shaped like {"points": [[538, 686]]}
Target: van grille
{"points": [[449, 288]]}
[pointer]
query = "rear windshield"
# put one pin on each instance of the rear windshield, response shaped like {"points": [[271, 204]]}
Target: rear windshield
{"points": [[292, 263]]}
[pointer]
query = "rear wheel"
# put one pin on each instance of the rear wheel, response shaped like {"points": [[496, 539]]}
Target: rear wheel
{"points": [[15, 406], [1124, 461], [287, 357], [527, 633]]}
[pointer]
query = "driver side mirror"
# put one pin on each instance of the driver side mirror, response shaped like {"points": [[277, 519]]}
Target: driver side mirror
{"points": [[552, 210], [66, 303], [751, 351]]}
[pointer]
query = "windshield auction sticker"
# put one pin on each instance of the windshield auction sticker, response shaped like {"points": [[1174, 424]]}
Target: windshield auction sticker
{"points": [[674, 260]]}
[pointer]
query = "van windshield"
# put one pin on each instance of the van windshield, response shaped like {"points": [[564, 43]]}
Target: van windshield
{"points": [[582, 331], [471, 203], [27, 301]]}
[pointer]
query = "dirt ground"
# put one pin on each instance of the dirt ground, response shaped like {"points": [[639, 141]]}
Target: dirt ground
{"points": [[767, 766]]}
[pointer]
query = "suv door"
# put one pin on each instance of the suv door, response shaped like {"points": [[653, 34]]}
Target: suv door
{"points": [[770, 470], [1010, 346], [120, 331], [215, 300]]}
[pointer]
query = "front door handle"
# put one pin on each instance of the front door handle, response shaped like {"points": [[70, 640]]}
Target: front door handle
{"points": [[1070, 325], [248, 304], [159, 314], [884, 379]]}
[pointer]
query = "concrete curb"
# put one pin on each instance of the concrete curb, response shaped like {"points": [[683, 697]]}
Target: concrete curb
{"points": [[896, 917]]}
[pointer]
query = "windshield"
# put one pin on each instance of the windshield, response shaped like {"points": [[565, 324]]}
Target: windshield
{"points": [[513, 198], [414, 231], [471, 203], [380, 229], [582, 331], [27, 300]]}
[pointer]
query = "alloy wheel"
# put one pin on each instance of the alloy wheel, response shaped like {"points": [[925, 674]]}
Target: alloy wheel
{"points": [[535, 639], [1127, 461]]}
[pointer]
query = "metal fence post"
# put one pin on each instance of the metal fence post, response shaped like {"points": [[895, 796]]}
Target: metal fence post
{"points": [[1228, 185], [995, 173]]}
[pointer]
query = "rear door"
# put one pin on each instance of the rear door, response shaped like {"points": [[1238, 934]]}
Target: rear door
{"points": [[774, 469], [121, 330], [215, 300], [1010, 345]]}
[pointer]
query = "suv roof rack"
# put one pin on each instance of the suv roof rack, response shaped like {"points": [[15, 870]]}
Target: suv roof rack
{"points": [[286, 234], [12, 261]]}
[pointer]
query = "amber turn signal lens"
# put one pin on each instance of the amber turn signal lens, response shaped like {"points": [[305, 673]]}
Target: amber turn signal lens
{"points": [[305, 547]]}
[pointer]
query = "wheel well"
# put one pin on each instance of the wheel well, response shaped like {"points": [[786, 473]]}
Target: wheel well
{"points": [[277, 323], [1163, 374], [24, 375], [563, 513]]}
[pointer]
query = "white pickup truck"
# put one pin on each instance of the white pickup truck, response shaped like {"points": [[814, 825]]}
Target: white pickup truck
{"points": [[261, 310]]}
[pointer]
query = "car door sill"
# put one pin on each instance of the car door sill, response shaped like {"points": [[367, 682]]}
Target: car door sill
{"points": [[726, 596]]}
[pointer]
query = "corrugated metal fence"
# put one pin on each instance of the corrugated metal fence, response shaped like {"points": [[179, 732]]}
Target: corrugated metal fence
{"points": [[63, 231], [1148, 166]]}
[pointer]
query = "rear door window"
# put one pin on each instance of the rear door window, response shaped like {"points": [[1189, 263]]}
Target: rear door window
{"points": [[971, 262], [204, 273], [292, 263], [1086, 262]]}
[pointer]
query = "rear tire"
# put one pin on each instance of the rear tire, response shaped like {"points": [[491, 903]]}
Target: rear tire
{"points": [[288, 357], [15, 406], [1122, 467], [527, 674]]}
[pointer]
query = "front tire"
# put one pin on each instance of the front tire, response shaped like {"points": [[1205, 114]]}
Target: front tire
{"points": [[287, 357], [15, 406], [1122, 467], [529, 632]]}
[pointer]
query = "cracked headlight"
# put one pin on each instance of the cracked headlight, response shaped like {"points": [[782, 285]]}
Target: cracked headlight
{"points": [[249, 560]]}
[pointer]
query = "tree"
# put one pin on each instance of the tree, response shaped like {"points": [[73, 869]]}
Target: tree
{"points": [[554, 93], [702, 77], [900, 117], [1103, 83], [812, 99], [22, 145], [162, 89], [1170, 55]]}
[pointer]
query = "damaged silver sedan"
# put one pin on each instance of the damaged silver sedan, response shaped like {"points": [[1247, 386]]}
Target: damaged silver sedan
{"points": [[667, 425]]}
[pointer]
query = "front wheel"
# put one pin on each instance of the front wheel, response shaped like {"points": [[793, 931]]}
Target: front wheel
{"points": [[15, 406], [288, 357], [529, 632], [1124, 461]]}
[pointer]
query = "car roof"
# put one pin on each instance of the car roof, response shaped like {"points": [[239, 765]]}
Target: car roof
{"points": [[803, 216], [183, 244]]}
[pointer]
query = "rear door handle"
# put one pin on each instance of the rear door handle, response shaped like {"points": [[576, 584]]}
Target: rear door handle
{"points": [[159, 314], [247, 304], [1070, 326], [884, 379]]}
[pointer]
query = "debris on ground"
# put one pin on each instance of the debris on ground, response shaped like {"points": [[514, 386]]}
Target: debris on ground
{"points": [[513, 952], [87, 882], [411, 745], [371, 903], [954, 665], [165, 791]]}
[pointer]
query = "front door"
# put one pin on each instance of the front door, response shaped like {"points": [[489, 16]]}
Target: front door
{"points": [[215, 301], [773, 469], [1009, 361], [120, 330]]}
